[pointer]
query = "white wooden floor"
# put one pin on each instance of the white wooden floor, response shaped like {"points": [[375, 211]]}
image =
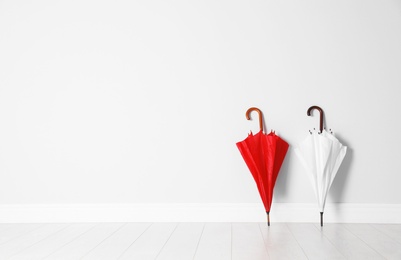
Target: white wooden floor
{"points": [[200, 241]]}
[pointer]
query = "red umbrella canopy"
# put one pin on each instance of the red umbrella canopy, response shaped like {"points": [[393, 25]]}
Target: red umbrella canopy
{"points": [[263, 154]]}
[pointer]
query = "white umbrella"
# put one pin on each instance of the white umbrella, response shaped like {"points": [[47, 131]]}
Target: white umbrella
{"points": [[321, 154]]}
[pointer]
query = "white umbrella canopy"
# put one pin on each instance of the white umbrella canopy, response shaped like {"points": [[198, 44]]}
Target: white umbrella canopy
{"points": [[321, 154]]}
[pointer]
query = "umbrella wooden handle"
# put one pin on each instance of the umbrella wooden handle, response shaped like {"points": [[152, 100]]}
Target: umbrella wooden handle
{"points": [[321, 115], [248, 113]]}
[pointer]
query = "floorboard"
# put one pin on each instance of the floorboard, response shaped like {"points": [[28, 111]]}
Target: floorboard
{"points": [[215, 242], [6, 226], [313, 242], [53, 243], [280, 242], [199, 241], [377, 240], [115, 245], [393, 231], [351, 246], [17, 230], [150, 243], [183, 242], [247, 242], [29, 239], [83, 244]]}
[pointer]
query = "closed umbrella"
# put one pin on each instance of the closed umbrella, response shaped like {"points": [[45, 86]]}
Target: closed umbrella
{"points": [[321, 154], [263, 154]]}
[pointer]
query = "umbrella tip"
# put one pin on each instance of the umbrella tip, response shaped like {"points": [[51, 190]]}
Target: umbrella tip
{"points": [[268, 218], [321, 219]]}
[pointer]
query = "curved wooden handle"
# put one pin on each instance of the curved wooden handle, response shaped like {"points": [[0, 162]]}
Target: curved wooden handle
{"points": [[321, 115], [248, 113]]}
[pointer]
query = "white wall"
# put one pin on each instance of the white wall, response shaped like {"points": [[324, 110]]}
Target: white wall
{"points": [[143, 101]]}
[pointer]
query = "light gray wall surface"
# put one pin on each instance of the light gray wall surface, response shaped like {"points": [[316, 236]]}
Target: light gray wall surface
{"points": [[143, 101]]}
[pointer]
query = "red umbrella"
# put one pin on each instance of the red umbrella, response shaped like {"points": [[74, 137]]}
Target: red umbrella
{"points": [[263, 154]]}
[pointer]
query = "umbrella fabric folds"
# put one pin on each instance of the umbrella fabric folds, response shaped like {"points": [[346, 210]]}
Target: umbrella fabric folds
{"points": [[321, 154], [263, 154]]}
